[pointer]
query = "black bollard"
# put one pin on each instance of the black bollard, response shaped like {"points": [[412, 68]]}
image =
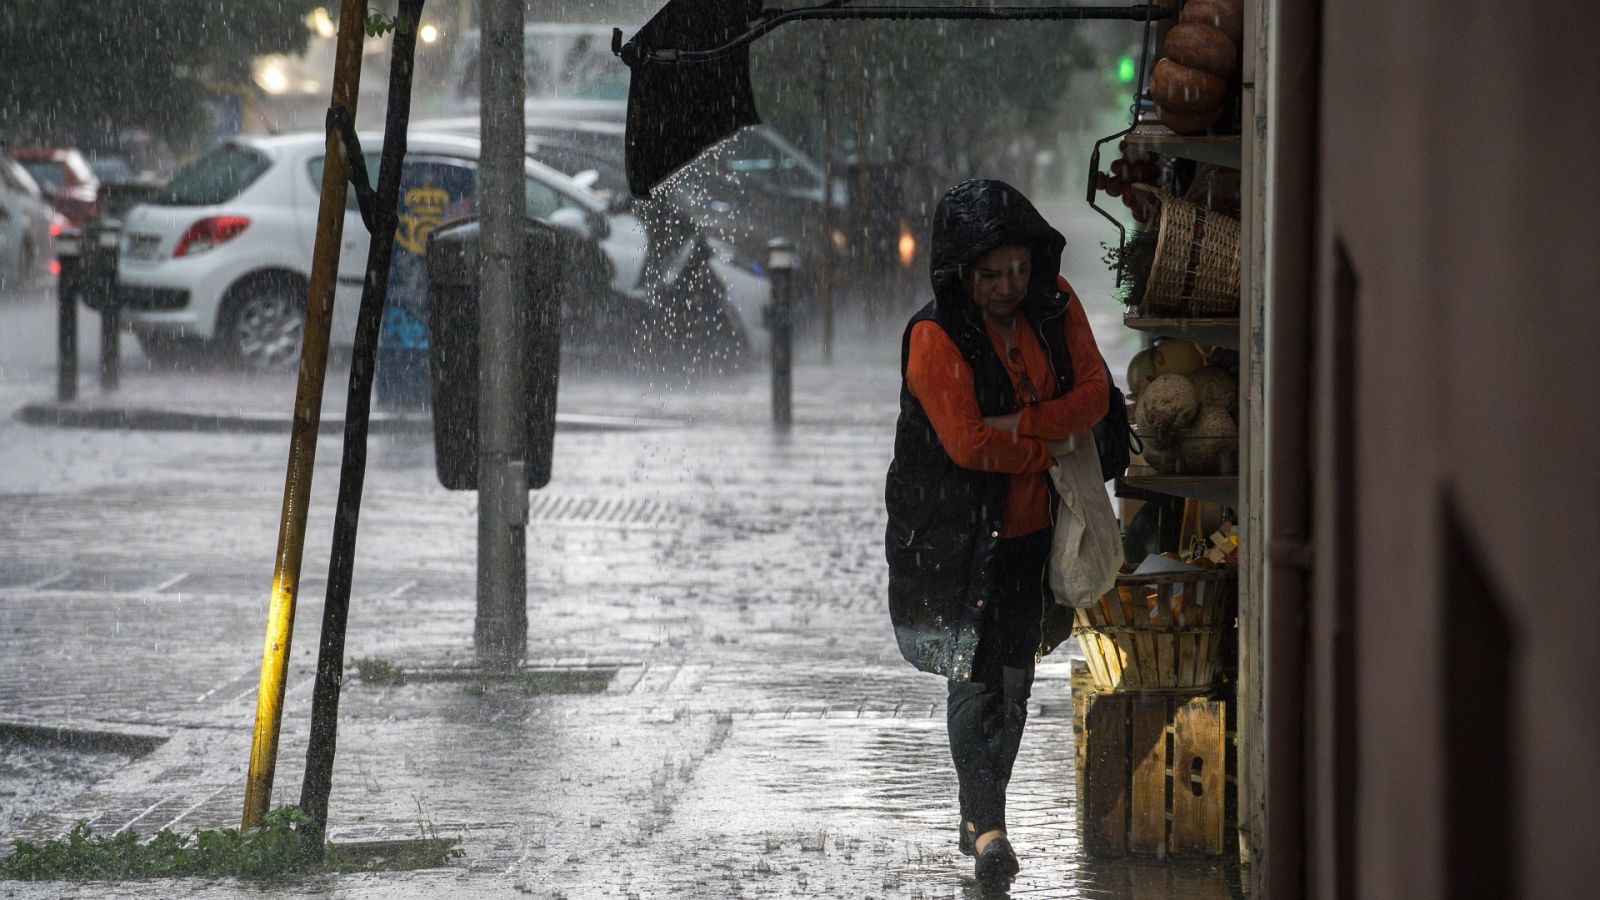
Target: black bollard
{"points": [[110, 349], [780, 272], [67, 319], [97, 275]]}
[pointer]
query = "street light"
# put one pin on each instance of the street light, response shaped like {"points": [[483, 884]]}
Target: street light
{"points": [[321, 23]]}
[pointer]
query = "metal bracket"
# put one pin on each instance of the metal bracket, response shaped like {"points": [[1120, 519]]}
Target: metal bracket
{"points": [[633, 54], [516, 493], [338, 121]]}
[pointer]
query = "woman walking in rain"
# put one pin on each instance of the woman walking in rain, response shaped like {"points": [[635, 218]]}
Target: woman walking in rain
{"points": [[1000, 362]]}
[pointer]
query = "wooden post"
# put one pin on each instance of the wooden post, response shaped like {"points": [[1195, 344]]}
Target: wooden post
{"points": [[305, 425]]}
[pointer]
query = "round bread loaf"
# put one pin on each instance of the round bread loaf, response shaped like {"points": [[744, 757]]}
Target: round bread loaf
{"points": [[1204, 47], [1182, 89], [1188, 123], [1224, 15]]}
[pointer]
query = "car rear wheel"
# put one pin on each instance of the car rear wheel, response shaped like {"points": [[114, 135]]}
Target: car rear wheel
{"points": [[263, 324]]}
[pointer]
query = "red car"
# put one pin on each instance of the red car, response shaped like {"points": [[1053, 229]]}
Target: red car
{"points": [[66, 179]]}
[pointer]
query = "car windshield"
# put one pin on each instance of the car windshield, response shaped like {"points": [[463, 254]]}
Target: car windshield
{"points": [[217, 177], [44, 171], [112, 168]]}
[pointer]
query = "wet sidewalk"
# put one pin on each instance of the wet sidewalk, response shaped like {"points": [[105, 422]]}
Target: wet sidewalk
{"points": [[752, 731]]}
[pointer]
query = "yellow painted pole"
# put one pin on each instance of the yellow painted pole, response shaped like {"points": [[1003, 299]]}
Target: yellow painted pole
{"points": [[307, 418]]}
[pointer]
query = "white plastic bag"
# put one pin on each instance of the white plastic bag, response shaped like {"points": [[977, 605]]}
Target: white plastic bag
{"points": [[1086, 550]]}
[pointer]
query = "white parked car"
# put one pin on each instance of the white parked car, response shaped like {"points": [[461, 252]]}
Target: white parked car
{"points": [[223, 257], [28, 227]]}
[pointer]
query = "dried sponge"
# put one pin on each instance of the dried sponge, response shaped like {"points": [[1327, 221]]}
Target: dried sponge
{"points": [[1215, 387], [1166, 404], [1209, 445]]}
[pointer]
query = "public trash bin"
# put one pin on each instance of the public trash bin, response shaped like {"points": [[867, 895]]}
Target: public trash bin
{"points": [[454, 261]]}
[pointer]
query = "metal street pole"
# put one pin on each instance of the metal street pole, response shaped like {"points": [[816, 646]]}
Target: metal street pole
{"points": [[780, 272], [829, 252], [304, 426], [500, 632]]}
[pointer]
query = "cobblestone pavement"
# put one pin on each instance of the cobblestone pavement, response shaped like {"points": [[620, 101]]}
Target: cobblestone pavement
{"points": [[760, 737]]}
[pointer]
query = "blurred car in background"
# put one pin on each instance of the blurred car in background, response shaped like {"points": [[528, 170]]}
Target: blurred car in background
{"points": [[111, 167], [745, 191], [569, 72], [28, 227], [66, 179], [221, 258]]}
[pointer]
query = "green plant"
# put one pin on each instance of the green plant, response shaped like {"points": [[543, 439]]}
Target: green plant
{"points": [[272, 849], [377, 670], [378, 23], [1133, 257], [269, 849]]}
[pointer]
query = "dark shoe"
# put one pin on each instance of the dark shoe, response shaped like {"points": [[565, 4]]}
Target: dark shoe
{"points": [[968, 838], [997, 864]]}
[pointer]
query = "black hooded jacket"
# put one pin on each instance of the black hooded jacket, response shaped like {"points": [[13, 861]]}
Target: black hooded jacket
{"points": [[945, 520]]}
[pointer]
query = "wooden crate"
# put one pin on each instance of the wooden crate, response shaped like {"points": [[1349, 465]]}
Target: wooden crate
{"points": [[1154, 772], [1163, 632]]}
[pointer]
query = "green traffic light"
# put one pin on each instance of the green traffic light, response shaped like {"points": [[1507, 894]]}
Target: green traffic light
{"points": [[1126, 71]]}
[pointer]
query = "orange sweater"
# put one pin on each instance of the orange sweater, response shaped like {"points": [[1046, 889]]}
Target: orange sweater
{"points": [[940, 379]]}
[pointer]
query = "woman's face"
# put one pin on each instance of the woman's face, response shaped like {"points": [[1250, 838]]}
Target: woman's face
{"points": [[998, 281]]}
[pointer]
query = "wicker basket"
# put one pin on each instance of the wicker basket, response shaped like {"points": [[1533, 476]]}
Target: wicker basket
{"points": [[1158, 633], [1195, 271]]}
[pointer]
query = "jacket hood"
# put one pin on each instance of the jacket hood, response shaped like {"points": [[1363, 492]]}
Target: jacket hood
{"points": [[973, 218]]}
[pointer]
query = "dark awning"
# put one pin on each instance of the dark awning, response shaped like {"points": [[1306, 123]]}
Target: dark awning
{"points": [[677, 110], [690, 65]]}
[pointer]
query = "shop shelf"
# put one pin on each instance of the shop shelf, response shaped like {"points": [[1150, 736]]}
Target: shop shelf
{"points": [[1221, 150], [1222, 489], [1211, 332]]}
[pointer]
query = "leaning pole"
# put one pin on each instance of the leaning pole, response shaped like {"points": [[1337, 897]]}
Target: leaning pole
{"points": [[307, 418]]}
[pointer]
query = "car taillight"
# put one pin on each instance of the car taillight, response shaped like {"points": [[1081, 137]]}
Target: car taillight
{"points": [[209, 232]]}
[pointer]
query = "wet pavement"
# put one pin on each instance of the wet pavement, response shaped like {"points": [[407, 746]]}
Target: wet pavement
{"points": [[760, 736]]}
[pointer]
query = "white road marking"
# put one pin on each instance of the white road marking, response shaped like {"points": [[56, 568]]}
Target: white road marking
{"points": [[394, 594], [197, 805], [166, 584], [46, 582], [130, 822]]}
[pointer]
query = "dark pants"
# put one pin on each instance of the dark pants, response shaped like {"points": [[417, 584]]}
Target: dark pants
{"points": [[986, 715]]}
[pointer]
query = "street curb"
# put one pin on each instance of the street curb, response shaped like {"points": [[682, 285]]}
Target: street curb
{"points": [[86, 736], [111, 418]]}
